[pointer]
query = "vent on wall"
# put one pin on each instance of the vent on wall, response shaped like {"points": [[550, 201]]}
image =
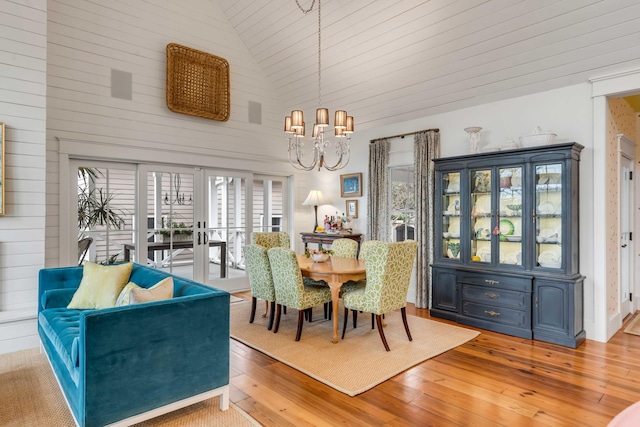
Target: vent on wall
{"points": [[121, 84], [255, 112]]}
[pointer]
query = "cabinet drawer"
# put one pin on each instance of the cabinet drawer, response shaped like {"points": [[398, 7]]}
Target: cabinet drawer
{"points": [[523, 284], [496, 296], [507, 316]]}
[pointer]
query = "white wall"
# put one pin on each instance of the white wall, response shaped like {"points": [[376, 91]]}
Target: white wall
{"points": [[23, 32]]}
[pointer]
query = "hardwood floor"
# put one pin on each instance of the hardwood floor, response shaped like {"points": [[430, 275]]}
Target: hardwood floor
{"points": [[493, 380]]}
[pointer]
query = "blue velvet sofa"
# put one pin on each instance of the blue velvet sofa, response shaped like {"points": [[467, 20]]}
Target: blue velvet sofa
{"points": [[122, 365]]}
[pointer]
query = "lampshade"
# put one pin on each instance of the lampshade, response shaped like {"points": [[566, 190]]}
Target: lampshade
{"points": [[340, 120], [297, 119], [315, 198], [349, 128], [300, 131], [287, 125], [322, 117]]}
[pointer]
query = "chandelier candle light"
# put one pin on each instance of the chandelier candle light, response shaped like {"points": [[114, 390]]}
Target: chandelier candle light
{"points": [[343, 124]]}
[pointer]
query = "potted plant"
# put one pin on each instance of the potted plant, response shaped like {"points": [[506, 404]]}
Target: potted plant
{"points": [[179, 231]]}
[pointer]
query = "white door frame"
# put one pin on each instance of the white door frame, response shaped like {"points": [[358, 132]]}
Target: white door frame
{"points": [[626, 259], [604, 325]]}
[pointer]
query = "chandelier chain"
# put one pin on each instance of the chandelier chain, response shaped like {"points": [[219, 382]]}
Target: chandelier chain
{"points": [[319, 59]]}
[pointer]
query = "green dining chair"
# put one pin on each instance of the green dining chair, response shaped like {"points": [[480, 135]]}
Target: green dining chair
{"points": [[271, 239], [344, 248], [290, 289], [260, 280], [389, 267]]}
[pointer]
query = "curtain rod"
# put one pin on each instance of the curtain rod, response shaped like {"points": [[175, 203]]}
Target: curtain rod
{"points": [[402, 135]]}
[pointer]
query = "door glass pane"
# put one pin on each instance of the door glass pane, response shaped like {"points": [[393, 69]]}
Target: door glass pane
{"points": [[481, 225], [510, 224], [268, 205], [226, 222], [548, 212], [451, 215], [106, 204], [170, 221]]}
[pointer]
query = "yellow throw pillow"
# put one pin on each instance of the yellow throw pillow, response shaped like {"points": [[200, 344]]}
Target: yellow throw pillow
{"points": [[100, 285], [123, 298], [160, 291]]}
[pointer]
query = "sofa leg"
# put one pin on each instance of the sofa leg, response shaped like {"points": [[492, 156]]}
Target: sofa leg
{"points": [[253, 310], [224, 399]]}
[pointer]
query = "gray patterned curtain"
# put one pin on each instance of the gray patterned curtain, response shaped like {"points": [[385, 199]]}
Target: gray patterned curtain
{"points": [[427, 148], [377, 203]]}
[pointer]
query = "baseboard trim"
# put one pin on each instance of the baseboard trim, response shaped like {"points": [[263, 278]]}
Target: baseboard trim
{"points": [[10, 316]]}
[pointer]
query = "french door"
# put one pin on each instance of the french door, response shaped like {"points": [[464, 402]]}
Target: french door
{"points": [[192, 222]]}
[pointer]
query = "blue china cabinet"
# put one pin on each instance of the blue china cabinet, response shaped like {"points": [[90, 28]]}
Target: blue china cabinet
{"points": [[506, 243]]}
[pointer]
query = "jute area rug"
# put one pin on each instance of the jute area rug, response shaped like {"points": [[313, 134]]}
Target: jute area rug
{"points": [[30, 396], [355, 364], [634, 326]]}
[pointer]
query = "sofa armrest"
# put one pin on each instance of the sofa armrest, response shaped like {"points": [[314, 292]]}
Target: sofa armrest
{"points": [[57, 278], [139, 357], [56, 298]]}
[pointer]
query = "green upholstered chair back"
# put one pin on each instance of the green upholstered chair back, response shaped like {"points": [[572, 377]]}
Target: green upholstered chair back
{"points": [[363, 248], [287, 279], [389, 267], [259, 272], [271, 239], [344, 248]]}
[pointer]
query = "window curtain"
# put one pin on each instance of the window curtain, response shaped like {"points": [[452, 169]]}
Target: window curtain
{"points": [[378, 203], [426, 148]]}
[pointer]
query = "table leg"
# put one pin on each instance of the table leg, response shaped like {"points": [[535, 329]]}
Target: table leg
{"points": [[223, 260], [335, 297]]}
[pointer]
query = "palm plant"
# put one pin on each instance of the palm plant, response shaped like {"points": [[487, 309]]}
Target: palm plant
{"points": [[94, 204]]}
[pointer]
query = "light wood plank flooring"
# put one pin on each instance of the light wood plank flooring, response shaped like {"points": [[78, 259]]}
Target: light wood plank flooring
{"points": [[493, 380]]}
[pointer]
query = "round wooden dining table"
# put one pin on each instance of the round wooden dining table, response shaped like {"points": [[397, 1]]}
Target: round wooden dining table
{"points": [[335, 272]]}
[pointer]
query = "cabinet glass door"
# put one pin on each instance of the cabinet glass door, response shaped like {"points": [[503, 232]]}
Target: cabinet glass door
{"points": [[451, 215], [510, 219], [548, 215], [481, 215]]}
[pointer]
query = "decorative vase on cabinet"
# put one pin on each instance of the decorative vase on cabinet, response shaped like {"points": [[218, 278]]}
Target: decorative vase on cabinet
{"points": [[511, 218]]}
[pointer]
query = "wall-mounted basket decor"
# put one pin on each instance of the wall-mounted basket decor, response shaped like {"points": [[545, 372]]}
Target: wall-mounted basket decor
{"points": [[197, 83]]}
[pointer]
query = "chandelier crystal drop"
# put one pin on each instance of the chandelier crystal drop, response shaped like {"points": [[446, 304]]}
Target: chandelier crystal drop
{"points": [[343, 126]]}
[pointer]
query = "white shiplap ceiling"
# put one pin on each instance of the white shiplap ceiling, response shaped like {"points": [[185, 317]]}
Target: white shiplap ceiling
{"points": [[388, 61]]}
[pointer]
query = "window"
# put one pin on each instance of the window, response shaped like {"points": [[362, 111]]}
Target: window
{"points": [[402, 198]]}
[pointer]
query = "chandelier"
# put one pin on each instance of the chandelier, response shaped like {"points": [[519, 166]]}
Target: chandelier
{"points": [[343, 124]]}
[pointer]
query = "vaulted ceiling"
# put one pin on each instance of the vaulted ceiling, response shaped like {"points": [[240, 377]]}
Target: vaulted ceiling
{"points": [[388, 61]]}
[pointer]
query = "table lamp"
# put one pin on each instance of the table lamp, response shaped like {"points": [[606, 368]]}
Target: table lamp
{"points": [[314, 199]]}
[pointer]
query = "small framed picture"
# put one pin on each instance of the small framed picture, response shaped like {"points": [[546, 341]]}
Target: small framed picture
{"points": [[351, 185], [352, 208]]}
